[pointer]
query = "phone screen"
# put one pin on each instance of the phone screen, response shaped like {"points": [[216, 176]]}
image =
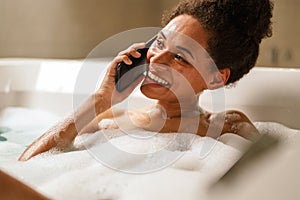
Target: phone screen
{"points": [[127, 74]]}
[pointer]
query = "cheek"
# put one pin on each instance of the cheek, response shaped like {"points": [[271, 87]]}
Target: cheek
{"points": [[198, 85], [195, 80]]}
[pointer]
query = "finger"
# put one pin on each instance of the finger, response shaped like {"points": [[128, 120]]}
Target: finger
{"points": [[129, 52], [135, 54], [138, 46], [123, 58], [126, 60], [132, 50]]}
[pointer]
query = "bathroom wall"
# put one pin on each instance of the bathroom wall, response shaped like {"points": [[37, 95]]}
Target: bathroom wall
{"points": [[283, 48], [72, 28]]}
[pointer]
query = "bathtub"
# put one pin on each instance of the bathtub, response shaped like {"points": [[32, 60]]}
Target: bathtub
{"points": [[265, 94], [42, 91]]}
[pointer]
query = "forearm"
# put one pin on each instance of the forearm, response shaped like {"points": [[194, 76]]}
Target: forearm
{"points": [[90, 109], [63, 133], [59, 136]]}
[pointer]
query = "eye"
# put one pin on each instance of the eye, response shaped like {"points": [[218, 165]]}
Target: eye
{"points": [[159, 44], [180, 58]]}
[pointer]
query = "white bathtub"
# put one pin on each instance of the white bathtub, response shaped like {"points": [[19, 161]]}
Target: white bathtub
{"points": [[265, 94]]}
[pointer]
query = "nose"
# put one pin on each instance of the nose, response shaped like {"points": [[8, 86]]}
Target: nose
{"points": [[160, 57]]}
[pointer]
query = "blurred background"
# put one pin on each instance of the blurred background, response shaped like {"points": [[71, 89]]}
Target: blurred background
{"points": [[70, 29]]}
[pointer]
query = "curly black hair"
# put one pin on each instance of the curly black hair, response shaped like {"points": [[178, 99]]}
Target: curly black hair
{"points": [[236, 29]]}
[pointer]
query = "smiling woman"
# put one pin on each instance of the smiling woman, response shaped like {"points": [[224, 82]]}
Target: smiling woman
{"points": [[181, 62], [179, 70]]}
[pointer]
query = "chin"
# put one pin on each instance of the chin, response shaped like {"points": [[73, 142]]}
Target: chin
{"points": [[152, 93], [147, 92]]}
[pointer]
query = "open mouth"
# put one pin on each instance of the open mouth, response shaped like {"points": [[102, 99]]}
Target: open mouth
{"points": [[157, 79]]}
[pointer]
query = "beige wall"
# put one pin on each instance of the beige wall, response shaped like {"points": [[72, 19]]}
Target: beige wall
{"points": [[72, 28], [283, 48]]}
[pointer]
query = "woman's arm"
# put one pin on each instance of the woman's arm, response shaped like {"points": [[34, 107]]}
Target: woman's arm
{"points": [[63, 133]]}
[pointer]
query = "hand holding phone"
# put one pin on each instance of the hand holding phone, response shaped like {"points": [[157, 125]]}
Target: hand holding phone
{"points": [[133, 71]]}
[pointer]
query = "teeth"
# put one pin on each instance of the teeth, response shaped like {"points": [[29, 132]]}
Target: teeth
{"points": [[157, 79]]}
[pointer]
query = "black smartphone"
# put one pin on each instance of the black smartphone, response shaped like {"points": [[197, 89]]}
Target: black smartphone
{"points": [[133, 71]]}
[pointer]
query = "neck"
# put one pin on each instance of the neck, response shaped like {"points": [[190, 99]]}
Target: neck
{"points": [[179, 108]]}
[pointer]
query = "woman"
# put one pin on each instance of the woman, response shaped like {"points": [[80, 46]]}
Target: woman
{"points": [[229, 30]]}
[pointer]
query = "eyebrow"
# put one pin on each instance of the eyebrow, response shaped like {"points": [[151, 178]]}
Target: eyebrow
{"points": [[186, 50], [162, 34], [178, 47]]}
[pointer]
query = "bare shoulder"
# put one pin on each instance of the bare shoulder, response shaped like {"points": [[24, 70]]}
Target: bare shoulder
{"points": [[234, 121], [239, 123], [236, 115]]}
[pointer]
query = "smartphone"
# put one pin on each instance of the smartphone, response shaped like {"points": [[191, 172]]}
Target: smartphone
{"points": [[133, 71]]}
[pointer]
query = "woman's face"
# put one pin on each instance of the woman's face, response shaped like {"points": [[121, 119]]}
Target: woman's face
{"points": [[178, 64]]}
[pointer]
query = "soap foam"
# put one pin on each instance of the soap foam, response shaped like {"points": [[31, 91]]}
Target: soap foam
{"points": [[75, 174]]}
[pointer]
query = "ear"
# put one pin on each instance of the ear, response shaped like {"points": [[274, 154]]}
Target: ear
{"points": [[219, 79]]}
